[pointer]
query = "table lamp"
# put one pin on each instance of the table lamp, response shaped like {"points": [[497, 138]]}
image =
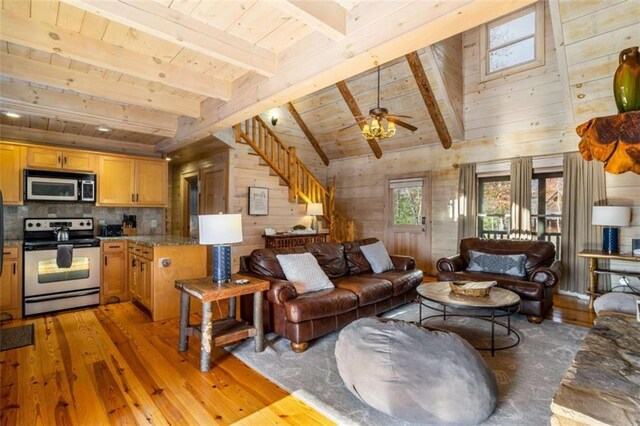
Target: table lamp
{"points": [[314, 209], [221, 230], [610, 217]]}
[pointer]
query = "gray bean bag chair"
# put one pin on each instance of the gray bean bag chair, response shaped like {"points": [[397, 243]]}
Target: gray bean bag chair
{"points": [[414, 374], [617, 302]]}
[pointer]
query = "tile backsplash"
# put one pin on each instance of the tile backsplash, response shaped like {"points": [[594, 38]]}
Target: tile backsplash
{"points": [[14, 216]]}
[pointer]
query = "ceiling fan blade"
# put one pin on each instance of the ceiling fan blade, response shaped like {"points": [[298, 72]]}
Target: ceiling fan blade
{"points": [[398, 115], [402, 124]]}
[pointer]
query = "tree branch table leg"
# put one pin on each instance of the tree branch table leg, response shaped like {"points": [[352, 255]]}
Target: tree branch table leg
{"points": [[183, 341], [593, 281], [205, 339], [257, 320]]}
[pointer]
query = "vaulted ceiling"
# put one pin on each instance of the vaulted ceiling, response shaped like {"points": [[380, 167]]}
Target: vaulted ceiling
{"points": [[162, 74]]}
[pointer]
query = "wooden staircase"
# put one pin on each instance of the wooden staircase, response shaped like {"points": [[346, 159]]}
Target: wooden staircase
{"points": [[304, 187]]}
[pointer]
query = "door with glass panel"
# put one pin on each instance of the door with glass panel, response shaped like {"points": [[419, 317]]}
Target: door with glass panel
{"points": [[409, 219]]}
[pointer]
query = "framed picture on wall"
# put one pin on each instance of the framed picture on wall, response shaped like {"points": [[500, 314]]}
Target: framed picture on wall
{"points": [[258, 201]]}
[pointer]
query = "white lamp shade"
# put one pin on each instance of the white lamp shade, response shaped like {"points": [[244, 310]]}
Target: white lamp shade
{"points": [[314, 209], [611, 215], [220, 228]]}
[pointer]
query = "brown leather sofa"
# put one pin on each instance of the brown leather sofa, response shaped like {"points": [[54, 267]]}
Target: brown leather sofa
{"points": [[358, 291], [535, 289]]}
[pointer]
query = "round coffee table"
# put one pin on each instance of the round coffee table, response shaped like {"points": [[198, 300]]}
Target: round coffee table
{"points": [[499, 303]]}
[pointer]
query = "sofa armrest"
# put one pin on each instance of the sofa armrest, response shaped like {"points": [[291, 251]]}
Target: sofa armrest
{"points": [[281, 291], [451, 264], [548, 275], [403, 263]]}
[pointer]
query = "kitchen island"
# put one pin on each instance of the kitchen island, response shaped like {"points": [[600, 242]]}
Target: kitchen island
{"points": [[145, 267]]}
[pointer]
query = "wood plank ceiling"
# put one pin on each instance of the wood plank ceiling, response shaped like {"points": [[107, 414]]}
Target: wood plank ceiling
{"points": [[162, 74]]}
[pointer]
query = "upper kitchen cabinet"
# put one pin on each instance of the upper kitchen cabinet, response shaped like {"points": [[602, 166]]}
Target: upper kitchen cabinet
{"points": [[125, 181], [12, 160], [71, 160]]}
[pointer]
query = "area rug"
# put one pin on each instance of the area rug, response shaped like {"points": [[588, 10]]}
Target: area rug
{"points": [[16, 337], [528, 374]]}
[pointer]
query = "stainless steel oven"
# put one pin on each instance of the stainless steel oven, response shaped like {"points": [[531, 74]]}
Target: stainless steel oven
{"points": [[50, 288]]}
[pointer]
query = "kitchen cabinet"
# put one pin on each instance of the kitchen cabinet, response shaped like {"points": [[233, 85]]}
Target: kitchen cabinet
{"points": [[126, 181], [12, 160], [152, 282], [70, 160], [114, 286], [11, 284]]}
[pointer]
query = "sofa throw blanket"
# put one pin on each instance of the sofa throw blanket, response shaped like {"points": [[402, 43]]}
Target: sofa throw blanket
{"points": [[304, 272], [508, 264]]}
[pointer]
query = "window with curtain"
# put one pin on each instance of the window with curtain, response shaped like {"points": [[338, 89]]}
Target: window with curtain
{"points": [[494, 214], [546, 207], [494, 207]]}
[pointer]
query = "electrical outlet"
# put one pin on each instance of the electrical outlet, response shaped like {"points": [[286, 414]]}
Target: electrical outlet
{"points": [[154, 223]]}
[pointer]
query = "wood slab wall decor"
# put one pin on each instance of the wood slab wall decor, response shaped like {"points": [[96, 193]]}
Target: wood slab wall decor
{"points": [[614, 140]]}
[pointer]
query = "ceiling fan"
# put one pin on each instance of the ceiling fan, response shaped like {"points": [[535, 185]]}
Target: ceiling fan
{"points": [[375, 128]]}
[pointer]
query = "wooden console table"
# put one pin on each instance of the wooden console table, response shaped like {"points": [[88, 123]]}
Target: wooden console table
{"points": [[226, 330], [293, 240], [594, 271]]}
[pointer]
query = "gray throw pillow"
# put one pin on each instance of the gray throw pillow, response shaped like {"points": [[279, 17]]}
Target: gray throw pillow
{"points": [[304, 272], [508, 264], [376, 254]]}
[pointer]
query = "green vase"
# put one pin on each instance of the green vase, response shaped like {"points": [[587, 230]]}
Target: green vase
{"points": [[626, 81]]}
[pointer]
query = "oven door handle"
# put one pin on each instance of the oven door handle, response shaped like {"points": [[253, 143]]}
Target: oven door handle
{"points": [[58, 297]]}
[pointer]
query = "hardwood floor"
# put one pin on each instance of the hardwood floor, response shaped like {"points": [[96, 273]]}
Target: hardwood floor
{"points": [[112, 365]]}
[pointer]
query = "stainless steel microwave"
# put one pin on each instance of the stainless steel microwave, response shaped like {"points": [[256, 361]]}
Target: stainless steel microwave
{"points": [[47, 185]]}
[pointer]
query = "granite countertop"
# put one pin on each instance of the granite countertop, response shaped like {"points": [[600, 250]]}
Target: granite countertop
{"points": [[154, 240], [13, 242]]}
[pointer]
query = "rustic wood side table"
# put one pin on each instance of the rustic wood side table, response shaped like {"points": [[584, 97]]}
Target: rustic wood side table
{"points": [[226, 330]]}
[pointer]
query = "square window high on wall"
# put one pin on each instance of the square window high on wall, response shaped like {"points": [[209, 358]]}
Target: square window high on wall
{"points": [[512, 43]]}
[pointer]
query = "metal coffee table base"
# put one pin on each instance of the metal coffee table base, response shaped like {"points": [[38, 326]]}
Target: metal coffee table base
{"points": [[489, 317]]}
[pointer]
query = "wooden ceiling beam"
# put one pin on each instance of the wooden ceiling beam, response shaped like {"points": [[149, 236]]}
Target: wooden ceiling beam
{"points": [[25, 69], [170, 25], [28, 99], [429, 98], [326, 17], [76, 141], [314, 63], [355, 110], [307, 133], [70, 44]]}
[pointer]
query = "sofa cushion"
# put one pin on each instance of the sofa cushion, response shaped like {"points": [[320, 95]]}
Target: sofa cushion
{"points": [[402, 281], [369, 289], [377, 256], [320, 304], [330, 257], [264, 261], [508, 264], [303, 271], [355, 258], [539, 253]]}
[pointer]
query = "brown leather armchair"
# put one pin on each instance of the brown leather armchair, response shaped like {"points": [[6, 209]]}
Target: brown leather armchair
{"points": [[358, 291], [535, 289]]}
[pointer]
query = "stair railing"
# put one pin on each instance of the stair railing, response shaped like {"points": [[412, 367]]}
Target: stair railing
{"points": [[303, 185]]}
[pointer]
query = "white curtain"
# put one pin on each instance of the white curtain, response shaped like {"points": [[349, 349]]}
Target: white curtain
{"points": [[467, 201], [584, 186], [521, 175]]}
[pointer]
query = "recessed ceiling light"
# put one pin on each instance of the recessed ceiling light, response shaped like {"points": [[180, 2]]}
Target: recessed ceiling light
{"points": [[103, 128], [12, 114]]}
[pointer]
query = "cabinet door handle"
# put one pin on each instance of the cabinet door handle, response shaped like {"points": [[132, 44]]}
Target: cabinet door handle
{"points": [[133, 197], [133, 263], [141, 266], [64, 159], [114, 246], [59, 160], [15, 269], [6, 253], [137, 197], [105, 260]]}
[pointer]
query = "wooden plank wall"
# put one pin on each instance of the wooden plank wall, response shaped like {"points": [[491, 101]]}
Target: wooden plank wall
{"points": [[247, 171], [594, 34]]}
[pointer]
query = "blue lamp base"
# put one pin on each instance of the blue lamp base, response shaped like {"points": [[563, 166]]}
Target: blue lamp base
{"points": [[610, 240], [222, 263]]}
